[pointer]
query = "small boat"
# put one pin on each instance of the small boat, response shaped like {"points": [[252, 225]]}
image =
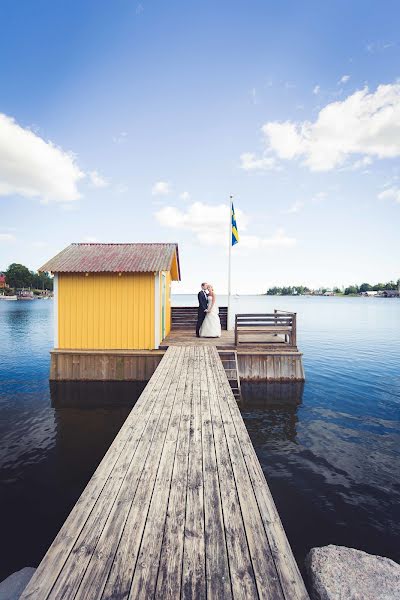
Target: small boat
{"points": [[8, 298], [25, 295]]}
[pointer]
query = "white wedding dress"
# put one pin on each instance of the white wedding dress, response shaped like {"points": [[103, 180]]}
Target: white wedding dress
{"points": [[211, 326]]}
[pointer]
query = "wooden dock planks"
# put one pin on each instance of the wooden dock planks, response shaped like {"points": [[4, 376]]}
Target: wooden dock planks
{"points": [[179, 506]]}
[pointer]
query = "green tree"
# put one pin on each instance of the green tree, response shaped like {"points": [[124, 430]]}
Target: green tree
{"points": [[42, 281], [18, 276], [352, 289], [365, 287]]}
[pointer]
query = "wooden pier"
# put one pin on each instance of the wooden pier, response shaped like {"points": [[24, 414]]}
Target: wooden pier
{"points": [[179, 506]]}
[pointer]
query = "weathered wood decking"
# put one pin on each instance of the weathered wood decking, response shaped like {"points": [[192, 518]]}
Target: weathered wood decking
{"points": [[179, 506]]}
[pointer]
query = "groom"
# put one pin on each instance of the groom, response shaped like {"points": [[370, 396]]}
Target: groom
{"points": [[203, 305]]}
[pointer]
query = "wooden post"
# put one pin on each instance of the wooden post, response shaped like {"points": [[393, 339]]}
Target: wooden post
{"points": [[236, 331], [294, 330]]}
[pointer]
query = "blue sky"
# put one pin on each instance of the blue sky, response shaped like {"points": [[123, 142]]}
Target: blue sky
{"points": [[130, 121]]}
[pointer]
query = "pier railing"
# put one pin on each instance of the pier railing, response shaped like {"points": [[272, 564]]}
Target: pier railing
{"points": [[185, 317], [270, 324]]}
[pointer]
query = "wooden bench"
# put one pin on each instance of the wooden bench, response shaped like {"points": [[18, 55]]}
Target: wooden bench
{"points": [[276, 323], [185, 317]]}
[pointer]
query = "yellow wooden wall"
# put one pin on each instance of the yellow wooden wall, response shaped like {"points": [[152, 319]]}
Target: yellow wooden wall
{"points": [[168, 305], [106, 311]]}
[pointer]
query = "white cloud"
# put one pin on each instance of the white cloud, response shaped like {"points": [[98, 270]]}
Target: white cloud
{"points": [[250, 162], [7, 237], [185, 196], [279, 239], [392, 193], [362, 162], [32, 167], [120, 138], [96, 180], [344, 79], [373, 47], [316, 90], [209, 223], [318, 197], [364, 124], [161, 188], [295, 208]]}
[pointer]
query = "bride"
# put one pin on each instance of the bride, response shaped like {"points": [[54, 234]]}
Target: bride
{"points": [[211, 326]]}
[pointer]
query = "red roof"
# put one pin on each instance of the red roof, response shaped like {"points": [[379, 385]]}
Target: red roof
{"points": [[2, 278], [114, 258]]}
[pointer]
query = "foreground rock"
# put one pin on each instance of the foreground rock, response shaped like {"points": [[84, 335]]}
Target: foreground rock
{"points": [[12, 587], [340, 573]]}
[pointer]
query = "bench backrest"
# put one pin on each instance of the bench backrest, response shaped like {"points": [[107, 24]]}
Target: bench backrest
{"points": [[259, 320]]}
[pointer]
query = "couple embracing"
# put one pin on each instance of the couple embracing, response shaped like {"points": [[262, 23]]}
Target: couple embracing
{"points": [[208, 323]]}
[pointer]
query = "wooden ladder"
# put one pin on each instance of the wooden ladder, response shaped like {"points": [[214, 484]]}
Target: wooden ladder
{"points": [[230, 363]]}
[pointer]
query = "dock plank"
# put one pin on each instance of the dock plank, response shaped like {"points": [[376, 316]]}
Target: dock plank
{"points": [[170, 566], [179, 506], [217, 561], [193, 569]]}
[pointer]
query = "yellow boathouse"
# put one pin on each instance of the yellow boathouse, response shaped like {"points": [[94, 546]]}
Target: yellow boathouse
{"points": [[113, 296]]}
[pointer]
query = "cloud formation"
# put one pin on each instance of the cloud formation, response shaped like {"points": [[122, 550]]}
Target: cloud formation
{"points": [[392, 193], [96, 180], [209, 223], [161, 188], [363, 125], [295, 208], [250, 162], [7, 237], [32, 167]]}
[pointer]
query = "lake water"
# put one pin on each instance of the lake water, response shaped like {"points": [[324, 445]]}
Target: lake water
{"points": [[330, 449]]}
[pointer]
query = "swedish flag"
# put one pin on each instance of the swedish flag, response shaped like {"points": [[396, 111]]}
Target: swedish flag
{"points": [[235, 234]]}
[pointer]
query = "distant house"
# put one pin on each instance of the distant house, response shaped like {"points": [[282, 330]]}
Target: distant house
{"points": [[113, 296], [390, 294], [329, 293], [3, 283], [369, 293]]}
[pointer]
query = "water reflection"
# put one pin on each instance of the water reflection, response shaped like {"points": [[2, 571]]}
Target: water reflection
{"points": [[43, 476], [95, 394], [263, 395]]}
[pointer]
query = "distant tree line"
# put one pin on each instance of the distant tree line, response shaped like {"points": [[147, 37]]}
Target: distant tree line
{"points": [[351, 289], [18, 276], [366, 287], [288, 291]]}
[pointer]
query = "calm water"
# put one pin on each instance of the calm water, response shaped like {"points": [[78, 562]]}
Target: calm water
{"points": [[330, 449]]}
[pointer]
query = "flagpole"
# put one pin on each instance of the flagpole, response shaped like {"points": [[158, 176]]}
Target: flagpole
{"points": [[229, 262]]}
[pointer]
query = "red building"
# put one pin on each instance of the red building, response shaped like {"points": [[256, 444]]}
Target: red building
{"points": [[3, 283]]}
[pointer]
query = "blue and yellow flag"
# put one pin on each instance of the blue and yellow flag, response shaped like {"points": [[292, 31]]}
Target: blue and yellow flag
{"points": [[235, 234]]}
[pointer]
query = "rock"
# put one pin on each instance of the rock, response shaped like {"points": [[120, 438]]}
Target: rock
{"points": [[12, 587], [340, 573]]}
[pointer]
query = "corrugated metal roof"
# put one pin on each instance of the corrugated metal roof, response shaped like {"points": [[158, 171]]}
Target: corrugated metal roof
{"points": [[113, 258]]}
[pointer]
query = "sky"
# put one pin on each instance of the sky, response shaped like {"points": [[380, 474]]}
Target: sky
{"points": [[132, 121]]}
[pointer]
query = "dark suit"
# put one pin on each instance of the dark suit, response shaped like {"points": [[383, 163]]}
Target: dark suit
{"points": [[203, 305]]}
